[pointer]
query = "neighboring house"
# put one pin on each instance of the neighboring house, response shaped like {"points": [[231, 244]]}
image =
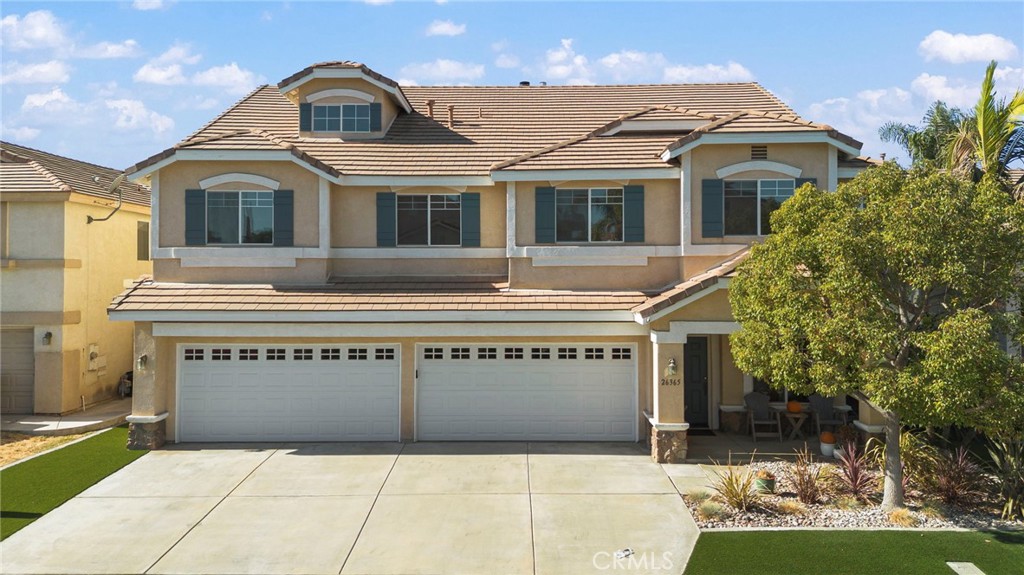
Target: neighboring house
{"points": [[343, 258], [57, 275]]}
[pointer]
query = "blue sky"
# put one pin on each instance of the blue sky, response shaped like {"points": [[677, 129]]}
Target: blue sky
{"points": [[115, 82]]}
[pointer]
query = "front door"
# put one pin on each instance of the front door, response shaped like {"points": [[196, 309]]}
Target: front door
{"points": [[695, 381]]}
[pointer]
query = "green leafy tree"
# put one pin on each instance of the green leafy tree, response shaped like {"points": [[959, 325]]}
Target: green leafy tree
{"points": [[929, 142], [892, 290]]}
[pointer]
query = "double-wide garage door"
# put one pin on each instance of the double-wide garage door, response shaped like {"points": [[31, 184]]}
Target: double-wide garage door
{"points": [[288, 393], [490, 392]]}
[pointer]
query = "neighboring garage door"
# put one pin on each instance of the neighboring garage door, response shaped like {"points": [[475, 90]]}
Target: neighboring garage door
{"points": [[536, 392], [288, 393], [17, 371]]}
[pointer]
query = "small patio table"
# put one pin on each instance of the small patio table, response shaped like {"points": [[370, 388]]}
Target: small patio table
{"points": [[796, 421]]}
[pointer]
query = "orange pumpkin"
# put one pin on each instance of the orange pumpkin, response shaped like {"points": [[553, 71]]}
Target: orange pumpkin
{"points": [[827, 437], [794, 407]]}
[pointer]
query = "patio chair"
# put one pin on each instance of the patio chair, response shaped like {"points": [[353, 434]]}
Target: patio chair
{"points": [[760, 414], [825, 412]]}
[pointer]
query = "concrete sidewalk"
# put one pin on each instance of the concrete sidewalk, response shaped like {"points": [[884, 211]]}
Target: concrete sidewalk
{"points": [[99, 416]]}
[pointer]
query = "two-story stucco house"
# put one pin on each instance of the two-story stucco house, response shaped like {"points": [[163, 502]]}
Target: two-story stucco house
{"points": [[342, 258], [58, 271]]}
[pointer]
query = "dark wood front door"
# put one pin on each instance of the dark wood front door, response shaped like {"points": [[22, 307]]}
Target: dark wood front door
{"points": [[695, 381]]}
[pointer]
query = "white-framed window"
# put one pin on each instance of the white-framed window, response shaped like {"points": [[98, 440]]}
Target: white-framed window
{"points": [[341, 118], [750, 203], [429, 219], [588, 215], [242, 217]]}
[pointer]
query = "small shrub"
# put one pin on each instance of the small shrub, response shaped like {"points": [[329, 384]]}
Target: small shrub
{"points": [[902, 517], [698, 495], [933, 510], [790, 507], [855, 477], [1008, 469], [805, 477], [917, 456], [736, 486], [849, 503], [712, 511], [955, 478], [847, 434]]}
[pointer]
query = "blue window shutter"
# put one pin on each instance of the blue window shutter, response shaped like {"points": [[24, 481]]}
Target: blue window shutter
{"points": [[284, 218], [712, 220], [305, 117], [375, 123], [633, 213], [386, 220], [802, 181], [195, 218], [471, 220], [544, 216]]}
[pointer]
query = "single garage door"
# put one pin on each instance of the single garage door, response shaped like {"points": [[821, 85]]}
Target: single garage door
{"points": [[17, 370], [526, 392], [288, 393]]}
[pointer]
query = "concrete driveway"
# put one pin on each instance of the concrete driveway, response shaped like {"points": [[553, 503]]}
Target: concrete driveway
{"points": [[474, 508]]}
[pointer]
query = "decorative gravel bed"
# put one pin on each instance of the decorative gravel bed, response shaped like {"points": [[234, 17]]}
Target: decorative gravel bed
{"points": [[826, 513]]}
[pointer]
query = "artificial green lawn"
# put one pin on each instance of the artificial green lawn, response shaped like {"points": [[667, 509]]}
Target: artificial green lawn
{"points": [[32, 488], [855, 552]]}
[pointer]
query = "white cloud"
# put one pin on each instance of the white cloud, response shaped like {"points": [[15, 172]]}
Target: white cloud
{"points": [[378, 2], [39, 29], [150, 4], [957, 93], [506, 61], [166, 69], [53, 100], [407, 82], [178, 54], [631, 65], [233, 79], [107, 50], [133, 115], [730, 72], [860, 116], [445, 28], [500, 45], [52, 72], [960, 48], [20, 134], [442, 71], [564, 64]]}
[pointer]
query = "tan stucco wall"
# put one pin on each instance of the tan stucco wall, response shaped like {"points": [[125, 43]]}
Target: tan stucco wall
{"points": [[658, 273], [185, 175], [732, 377], [308, 271], [354, 213], [706, 159], [712, 307], [440, 267], [156, 388]]}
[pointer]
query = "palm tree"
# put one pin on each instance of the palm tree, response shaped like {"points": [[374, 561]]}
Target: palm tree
{"points": [[992, 136], [926, 144]]}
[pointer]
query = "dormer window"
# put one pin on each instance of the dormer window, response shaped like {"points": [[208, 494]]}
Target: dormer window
{"points": [[341, 118]]}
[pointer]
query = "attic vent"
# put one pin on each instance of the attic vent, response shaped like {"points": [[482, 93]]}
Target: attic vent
{"points": [[758, 152]]}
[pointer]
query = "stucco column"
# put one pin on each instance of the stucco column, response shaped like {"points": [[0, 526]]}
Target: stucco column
{"points": [[668, 430], [147, 426]]}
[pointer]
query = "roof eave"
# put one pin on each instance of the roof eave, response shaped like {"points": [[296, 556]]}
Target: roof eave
{"points": [[313, 73], [841, 141]]}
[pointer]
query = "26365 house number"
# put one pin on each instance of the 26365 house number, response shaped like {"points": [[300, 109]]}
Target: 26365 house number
{"points": [[671, 381]]}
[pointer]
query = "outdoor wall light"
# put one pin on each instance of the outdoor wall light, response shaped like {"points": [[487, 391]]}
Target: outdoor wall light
{"points": [[671, 370], [47, 338], [141, 363]]}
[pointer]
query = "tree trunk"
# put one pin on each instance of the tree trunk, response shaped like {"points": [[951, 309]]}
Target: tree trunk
{"points": [[892, 490]]}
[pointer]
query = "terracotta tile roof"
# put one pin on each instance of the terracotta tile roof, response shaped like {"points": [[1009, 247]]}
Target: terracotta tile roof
{"points": [[859, 162], [27, 170], [1016, 176], [697, 283], [368, 294], [492, 123], [338, 64], [760, 121]]}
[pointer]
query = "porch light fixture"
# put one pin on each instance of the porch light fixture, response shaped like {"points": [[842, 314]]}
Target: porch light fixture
{"points": [[141, 363], [47, 338], [670, 370]]}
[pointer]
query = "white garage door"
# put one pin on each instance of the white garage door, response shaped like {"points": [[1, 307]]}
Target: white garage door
{"points": [[288, 393], [526, 392], [17, 370]]}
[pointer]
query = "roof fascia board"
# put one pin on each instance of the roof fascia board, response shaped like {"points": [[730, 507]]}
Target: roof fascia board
{"points": [[348, 73], [162, 329], [370, 316], [668, 173], [804, 137], [410, 181]]}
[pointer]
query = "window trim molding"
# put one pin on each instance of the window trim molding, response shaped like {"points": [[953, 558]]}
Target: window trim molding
{"points": [[758, 165], [340, 93], [239, 178]]}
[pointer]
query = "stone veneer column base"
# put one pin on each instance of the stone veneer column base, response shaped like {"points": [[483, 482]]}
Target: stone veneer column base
{"points": [[152, 435], [668, 446]]}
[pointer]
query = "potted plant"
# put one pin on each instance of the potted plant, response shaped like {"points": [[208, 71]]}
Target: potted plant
{"points": [[764, 481], [828, 443]]}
